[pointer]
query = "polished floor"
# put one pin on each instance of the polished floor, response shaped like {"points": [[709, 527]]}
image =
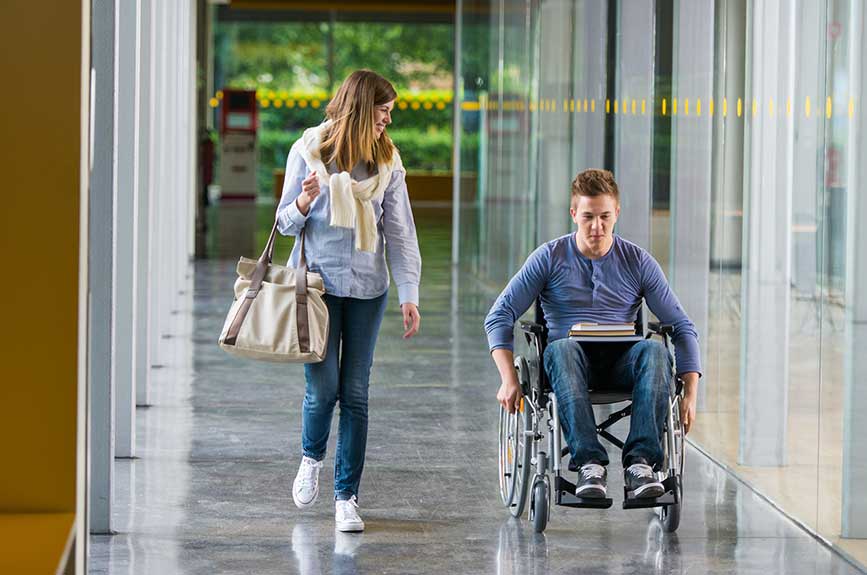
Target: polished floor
{"points": [[218, 447]]}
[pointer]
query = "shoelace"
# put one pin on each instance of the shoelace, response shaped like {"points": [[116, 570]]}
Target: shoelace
{"points": [[308, 474], [639, 470], [592, 471], [350, 510]]}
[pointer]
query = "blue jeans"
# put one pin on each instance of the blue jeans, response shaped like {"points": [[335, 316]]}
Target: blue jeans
{"points": [[644, 368], [342, 376]]}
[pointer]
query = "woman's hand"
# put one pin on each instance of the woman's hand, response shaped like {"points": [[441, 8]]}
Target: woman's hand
{"points": [[309, 192], [411, 319]]}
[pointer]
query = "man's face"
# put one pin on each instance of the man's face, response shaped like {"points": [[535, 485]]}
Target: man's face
{"points": [[595, 217]]}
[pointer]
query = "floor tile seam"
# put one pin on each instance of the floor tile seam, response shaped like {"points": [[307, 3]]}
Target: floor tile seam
{"points": [[834, 548]]}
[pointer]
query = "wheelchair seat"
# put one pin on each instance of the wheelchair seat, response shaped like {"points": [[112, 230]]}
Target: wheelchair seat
{"points": [[606, 397]]}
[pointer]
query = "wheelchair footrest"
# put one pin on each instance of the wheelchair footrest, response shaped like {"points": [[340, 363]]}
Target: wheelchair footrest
{"points": [[670, 497], [565, 496]]}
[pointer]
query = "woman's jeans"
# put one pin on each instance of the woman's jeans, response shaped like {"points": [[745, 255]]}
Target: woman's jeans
{"points": [[644, 368], [343, 376]]}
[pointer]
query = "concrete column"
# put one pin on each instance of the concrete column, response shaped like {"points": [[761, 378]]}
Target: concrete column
{"points": [[767, 233], [692, 137], [457, 132], [124, 229], [158, 193], [854, 509], [589, 78], [633, 145], [728, 149], [557, 33], [810, 81], [192, 135], [100, 256], [143, 198]]}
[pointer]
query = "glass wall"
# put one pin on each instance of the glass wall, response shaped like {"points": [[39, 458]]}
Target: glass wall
{"points": [[734, 129]]}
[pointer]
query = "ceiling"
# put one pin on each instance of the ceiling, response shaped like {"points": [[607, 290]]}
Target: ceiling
{"points": [[428, 11]]}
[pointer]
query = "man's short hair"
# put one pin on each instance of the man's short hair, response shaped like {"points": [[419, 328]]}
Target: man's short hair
{"points": [[594, 182]]}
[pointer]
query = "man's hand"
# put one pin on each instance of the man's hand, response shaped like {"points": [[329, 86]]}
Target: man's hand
{"points": [[411, 319], [509, 395], [687, 404], [309, 192]]}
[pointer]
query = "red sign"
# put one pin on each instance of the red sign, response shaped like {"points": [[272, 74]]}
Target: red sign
{"points": [[239, 112]]}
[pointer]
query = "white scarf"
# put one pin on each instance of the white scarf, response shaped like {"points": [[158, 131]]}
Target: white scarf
{"points": [[351, 201]]}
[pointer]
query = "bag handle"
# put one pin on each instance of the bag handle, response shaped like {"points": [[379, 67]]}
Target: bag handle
{"points": [[301, 316]]}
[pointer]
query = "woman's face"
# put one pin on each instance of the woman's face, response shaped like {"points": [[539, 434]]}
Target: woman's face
{"points": [[382, 117]]}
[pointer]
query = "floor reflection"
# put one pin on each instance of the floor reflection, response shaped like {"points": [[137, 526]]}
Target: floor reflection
{"points": [[211, 492], [520, 549]]}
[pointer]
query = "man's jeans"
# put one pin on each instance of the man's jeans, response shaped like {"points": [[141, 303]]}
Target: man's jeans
{"points": [[342, 376], [644, 368]]}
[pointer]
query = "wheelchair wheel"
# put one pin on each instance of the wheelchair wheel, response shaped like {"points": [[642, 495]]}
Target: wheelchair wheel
{"points": [[674, 448], [541, 501], [514, 459]]}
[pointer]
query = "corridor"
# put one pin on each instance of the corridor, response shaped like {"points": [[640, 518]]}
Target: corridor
{"points": [[210, 491]]}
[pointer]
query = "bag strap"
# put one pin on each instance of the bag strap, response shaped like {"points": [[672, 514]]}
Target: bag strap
{"points": [[301, 316]]}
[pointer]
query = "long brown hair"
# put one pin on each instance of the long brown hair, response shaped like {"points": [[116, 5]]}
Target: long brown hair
{"points": [[351, 137]]}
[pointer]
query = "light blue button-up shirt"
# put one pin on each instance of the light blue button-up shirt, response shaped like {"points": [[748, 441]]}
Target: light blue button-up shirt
{"points": [[330, 250]]}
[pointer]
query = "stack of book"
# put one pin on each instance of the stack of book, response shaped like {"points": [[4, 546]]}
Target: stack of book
{"points": [[602, 329]]}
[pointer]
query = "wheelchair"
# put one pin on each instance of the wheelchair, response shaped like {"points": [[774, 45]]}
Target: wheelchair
{"points": [[531, 442]]}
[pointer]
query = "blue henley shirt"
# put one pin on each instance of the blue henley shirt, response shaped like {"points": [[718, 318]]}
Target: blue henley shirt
{"points": [[573, 288]]}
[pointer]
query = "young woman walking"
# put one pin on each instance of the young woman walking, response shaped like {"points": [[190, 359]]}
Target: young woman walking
{"points": [[345, 190]]}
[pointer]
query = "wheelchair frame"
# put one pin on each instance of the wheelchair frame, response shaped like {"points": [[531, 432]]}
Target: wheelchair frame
{"points": [[522, 450]]}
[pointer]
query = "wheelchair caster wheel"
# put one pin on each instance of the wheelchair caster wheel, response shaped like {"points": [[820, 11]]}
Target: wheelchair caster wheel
{"points": [[541, 499]]}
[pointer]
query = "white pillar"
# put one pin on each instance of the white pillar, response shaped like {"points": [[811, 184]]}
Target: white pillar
{"points": [[555, 124], [767, 234], [633, 145], [100, 267], [810, 82], [191, 191], [124, 228], [146, 70], [728, 149], [854, 508], [692, 137], [589, 79], [159, 208], [457, 133]]}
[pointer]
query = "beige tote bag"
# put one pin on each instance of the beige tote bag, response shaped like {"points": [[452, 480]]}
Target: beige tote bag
{"points": [[278, 313]]}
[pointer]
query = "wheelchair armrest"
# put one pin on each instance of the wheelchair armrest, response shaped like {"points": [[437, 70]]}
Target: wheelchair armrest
{"points": [[533, 328], [660, 328], [535, 333]]}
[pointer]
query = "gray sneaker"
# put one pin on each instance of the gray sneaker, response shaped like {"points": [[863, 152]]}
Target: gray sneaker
{"points": [[591, 481], [642, 482]]}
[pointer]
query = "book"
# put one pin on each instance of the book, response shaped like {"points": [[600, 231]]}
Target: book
{"points": [[602, 329], [619, 333]]}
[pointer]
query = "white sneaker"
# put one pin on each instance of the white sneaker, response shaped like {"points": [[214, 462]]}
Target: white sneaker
{"points": [[305, 489], [346, 515]]}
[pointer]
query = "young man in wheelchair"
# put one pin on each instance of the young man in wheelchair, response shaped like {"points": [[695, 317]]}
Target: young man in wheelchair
{"points": [[596, 276]]}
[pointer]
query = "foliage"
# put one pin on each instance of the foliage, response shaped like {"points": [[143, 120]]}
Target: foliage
{"points": [[287, 64]]}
